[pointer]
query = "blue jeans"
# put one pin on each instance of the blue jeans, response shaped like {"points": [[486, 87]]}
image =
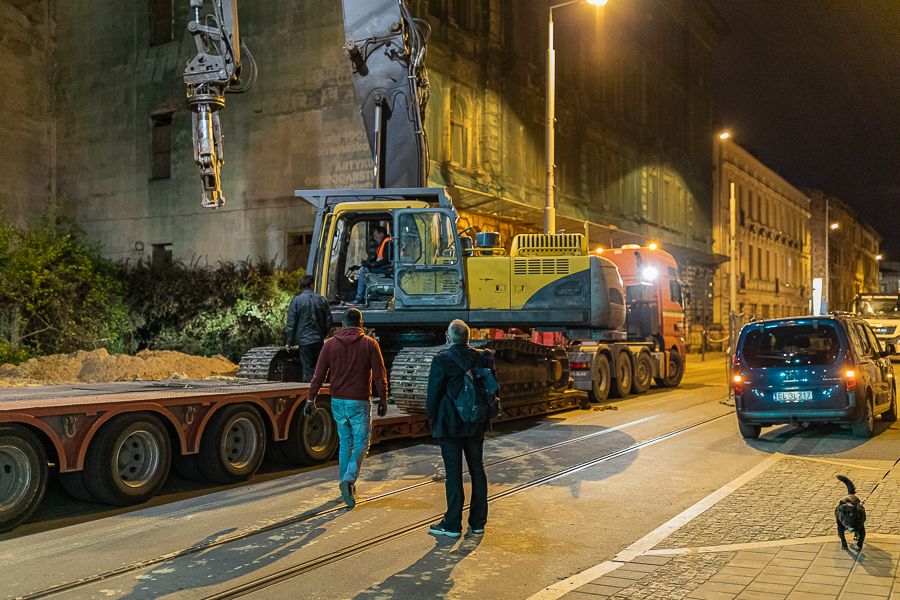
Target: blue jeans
{"points": [[354, 425]]}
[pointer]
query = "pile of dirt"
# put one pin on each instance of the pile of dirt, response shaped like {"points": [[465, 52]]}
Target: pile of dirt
{"points": [[99, 366]]}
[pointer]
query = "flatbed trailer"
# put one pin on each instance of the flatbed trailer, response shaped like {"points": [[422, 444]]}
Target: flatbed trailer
{"points": [[114, 443]]}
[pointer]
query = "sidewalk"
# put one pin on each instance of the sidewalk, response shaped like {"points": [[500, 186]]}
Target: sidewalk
{"points": [[774, 538]]}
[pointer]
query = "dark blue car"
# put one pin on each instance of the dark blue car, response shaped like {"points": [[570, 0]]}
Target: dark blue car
{"points": [[812, 369]]}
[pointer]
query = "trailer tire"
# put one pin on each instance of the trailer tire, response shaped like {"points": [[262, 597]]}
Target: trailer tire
{"points": [[675, 370], [128, 460], [23, 474], [622, 382], [311, 440], [188, 466], [75, 486], [233, 446], [643, 374], [601, 380], [275, 453]]}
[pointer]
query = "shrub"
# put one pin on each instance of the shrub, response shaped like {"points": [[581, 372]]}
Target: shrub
{"points": [[56, 290], [199, 310]]}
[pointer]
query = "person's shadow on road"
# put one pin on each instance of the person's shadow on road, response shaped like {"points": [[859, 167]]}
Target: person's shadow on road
{"points": [[428, 577]]}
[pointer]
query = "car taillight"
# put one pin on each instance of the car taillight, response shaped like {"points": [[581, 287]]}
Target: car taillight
{"points": [[579, 365], [737, 378], [850, 378], [850, 370]]}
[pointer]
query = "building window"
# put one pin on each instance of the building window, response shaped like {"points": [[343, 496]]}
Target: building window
{"points": [[463, 13], [459, 130], [298, 249], [161, 146], [162, 23]]}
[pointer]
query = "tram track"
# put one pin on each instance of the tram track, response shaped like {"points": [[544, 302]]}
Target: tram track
{"points": [[354, 549]]}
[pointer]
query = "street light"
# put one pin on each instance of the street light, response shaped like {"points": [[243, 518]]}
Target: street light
{"points": [[877, 257], [549, 208]]}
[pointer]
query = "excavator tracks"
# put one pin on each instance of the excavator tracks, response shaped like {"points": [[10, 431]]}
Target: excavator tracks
{"points": [[525, 372]]}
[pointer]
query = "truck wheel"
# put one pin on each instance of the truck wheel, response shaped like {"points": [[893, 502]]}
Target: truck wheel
{"points": [[674, 371], [128, 461], [23, 474], [865, 428], [890, 415], [749, 431], [601, 380], [622, 383], [275, 453], [233, 446], [188, 466], [643, 374], [311, 440], [75, 486]]}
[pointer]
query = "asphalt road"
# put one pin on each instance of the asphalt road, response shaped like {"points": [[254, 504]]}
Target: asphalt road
{"points": [[568, 492]]}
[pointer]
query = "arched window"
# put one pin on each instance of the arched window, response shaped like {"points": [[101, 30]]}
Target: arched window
{"points": [[459, 130]]}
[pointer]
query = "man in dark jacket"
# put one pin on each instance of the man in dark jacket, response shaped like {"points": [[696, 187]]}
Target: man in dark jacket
{"points": [[354, 359], [457, 437], [308, 322]]}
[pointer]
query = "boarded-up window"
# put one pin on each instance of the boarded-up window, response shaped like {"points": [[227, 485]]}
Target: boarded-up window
{"points": [[298, 249], [161, 146], [161, 22]]}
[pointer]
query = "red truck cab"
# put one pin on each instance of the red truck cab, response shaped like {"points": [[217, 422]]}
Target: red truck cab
{"points": [[650, 265]]}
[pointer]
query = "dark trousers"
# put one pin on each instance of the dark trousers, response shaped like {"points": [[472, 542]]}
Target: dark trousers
{"points": [[452, 451], [309, 356]]}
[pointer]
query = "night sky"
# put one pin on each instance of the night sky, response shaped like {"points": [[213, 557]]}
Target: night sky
{"points": [[812, 88]]}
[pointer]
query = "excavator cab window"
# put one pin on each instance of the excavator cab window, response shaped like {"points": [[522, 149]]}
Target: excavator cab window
{"points": [[429, 271], [352, 243]]}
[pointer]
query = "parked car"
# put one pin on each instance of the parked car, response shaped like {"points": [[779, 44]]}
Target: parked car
{"points": [[812, 369]]}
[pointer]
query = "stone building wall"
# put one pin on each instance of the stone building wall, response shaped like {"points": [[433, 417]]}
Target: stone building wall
{"points": [[27, 118], [633, 137], [852, 250], [772, 239]]}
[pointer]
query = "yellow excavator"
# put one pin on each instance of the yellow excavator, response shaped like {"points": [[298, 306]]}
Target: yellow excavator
{"points": [[543, 283]]}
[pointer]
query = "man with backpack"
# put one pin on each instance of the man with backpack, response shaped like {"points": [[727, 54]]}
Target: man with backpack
{"points": [[462, 400]]}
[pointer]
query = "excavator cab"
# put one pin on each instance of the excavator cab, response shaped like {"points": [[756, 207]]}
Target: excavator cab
{"points": [[426, 268]]}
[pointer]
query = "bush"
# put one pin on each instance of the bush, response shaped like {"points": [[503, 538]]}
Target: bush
{"points": [[57, 293], [203, 311]]}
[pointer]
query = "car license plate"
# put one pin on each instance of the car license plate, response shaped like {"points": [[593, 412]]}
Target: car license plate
{"points": [[792, 396]]}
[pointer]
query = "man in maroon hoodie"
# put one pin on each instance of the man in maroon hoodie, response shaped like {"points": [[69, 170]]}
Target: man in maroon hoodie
{"points": [[353, 358]]}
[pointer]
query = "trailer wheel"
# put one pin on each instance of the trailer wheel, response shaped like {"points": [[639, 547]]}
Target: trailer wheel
{"points": [[188, 466], [75, 486], [311, 440], [601, 380], [233, 446], [23, 474], [622, 383], [674, 371], [129, 459], [643, 374]]}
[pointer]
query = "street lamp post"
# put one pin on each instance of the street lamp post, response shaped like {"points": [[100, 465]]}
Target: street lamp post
{"points": [[549, 208], [828, 228]]}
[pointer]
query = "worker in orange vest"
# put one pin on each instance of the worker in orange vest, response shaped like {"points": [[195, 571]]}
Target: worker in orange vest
{"points": [[382, 265]]}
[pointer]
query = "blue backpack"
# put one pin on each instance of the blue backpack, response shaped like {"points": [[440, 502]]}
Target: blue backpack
{"points": [[477, 401]]}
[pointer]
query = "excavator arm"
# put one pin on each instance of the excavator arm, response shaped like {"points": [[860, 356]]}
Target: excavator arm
{"points": [[386, 50], [215, 70]]}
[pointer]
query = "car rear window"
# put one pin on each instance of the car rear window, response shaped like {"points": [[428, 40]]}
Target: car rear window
{"points": [[791, 345]]}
